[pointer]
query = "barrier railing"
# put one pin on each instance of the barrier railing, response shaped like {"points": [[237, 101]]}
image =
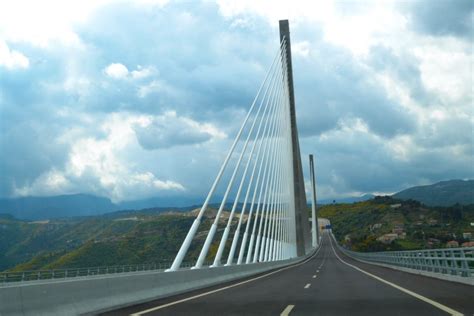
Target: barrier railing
{"points": [[452, 261], [93, 295], [7, 277]]}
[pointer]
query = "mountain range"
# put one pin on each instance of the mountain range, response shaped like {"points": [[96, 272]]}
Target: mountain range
{"points": [[443, 193], [61, 206], [350, 199]]}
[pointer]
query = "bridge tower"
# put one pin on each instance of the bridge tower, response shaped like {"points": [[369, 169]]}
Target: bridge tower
{"points": [[303, 243]]}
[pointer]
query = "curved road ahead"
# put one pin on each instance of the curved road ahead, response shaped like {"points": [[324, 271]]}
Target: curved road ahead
{"points": [[329, 283]]}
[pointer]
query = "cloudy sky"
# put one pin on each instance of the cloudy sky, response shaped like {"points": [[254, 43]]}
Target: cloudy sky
{"points": [[137, 99]]}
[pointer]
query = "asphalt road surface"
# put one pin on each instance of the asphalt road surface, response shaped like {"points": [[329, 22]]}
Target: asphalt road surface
{"points": [[329, 283]]}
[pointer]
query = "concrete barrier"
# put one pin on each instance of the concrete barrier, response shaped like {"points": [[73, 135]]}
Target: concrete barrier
{"points": [[90, 295]]}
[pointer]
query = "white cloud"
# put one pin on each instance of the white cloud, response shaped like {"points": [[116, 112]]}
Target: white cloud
{"points": [[51, 22], [106, 165], [301, 48], [445, 69], [12, 59], [160, 3], [148, 179], [154, 86], [50, 183], [359, 32], [141, 72], [169, 130], [367, 24], [280, 9], [120, 71], [79, 85], [101, 165], [41, 23], [116, 71], [402, 148]]}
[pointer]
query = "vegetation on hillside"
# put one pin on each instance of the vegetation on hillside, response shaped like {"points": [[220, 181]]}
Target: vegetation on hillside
{"points": [[153, 236], [108, 240], [412, 225]]}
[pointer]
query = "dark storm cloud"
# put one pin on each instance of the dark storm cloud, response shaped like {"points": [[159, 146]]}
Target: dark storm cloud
{"points": [[168, 131], [336, 87], [442, 17], [403, 67], [27, 128]]}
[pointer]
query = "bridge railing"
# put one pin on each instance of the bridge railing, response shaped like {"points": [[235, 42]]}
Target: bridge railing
{"points": [[21, 276], [448, 261]]}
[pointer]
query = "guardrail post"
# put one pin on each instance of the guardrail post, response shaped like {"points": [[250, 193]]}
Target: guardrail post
{"points": [[429, 260], [444, 262], [426, 259], [453, 263], [437, 263], [416, 263], [406, 259], [464, 264], [423, 261]]}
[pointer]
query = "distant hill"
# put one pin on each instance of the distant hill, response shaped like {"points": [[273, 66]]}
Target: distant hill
{"points": [[37, 208], [351, 199], [62, 206], [168, 201], [444, 193], [74, 205]]}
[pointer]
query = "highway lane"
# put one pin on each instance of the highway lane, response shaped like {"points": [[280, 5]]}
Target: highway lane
{"points": [[324, 285]]}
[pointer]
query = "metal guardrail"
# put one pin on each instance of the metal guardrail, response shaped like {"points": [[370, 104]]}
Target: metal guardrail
{"points": [[451, 261], [8, 277]]}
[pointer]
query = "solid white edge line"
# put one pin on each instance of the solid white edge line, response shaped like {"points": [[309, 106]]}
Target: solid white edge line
{"points": [[307, 286], [224, 288], [287, 310], [416, 295]]}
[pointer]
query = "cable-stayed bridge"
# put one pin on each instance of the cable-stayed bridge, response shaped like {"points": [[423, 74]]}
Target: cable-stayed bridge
{"points": [[268, 255], [268, 175]]}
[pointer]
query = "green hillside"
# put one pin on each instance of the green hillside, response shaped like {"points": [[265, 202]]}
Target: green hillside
{"points": [[151, 236], [361, 225], [135, 238]]}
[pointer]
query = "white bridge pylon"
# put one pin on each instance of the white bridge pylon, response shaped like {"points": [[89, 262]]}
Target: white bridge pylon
{"points": [[261, 185]]}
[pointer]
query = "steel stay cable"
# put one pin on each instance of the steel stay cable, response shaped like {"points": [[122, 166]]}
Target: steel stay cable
{"points": [[257, 159], [260, 190], [269, 220], [223, 241], [194, 227], [265, 203]]}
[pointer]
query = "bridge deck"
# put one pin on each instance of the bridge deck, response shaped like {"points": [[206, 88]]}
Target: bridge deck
{"points": [[324, 285]]}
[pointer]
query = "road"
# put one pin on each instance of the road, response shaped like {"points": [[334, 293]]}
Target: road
{"points": [[329, 283]]}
